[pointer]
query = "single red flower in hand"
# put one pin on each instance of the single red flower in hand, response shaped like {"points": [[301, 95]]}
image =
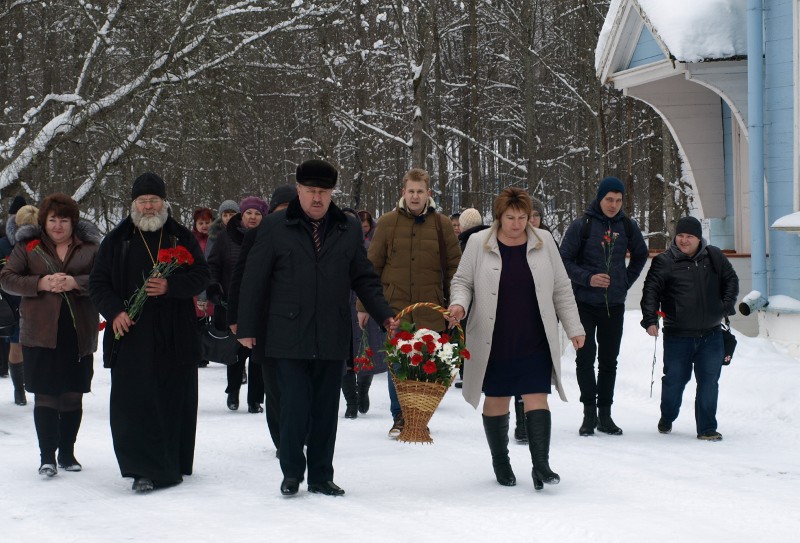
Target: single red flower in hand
{"points": [[661, 314], [33, 244], [429, 367]]}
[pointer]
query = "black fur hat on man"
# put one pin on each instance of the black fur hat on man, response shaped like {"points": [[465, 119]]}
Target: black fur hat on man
{"points": [[317, 173], [149, 183]]}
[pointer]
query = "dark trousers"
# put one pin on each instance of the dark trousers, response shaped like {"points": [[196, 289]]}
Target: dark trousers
{"points": [[680, 355], [272, 408], [309, 408], [255, 384], [603, 337]]}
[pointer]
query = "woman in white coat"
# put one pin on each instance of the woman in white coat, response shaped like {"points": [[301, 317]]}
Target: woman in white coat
{"points": [[513, 277]]}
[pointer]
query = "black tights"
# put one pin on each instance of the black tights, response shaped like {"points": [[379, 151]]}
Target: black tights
{"points": [[68, 401]]}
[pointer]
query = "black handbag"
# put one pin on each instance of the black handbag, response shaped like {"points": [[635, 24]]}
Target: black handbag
{"points": [[218, 345], [728, 341], [8, 316]]}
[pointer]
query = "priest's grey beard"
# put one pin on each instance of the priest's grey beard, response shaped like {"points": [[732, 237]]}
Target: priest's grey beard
{"points": [[149, 223]]}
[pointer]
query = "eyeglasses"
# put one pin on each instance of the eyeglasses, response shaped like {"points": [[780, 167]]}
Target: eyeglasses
{"points": [[535, 215], [142, 202]]}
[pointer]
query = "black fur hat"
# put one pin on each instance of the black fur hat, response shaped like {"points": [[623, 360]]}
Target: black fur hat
{"points": [[17, 203], [317, 173]]}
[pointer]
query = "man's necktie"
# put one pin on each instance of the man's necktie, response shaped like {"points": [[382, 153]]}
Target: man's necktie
{"points": [[315, 235]]}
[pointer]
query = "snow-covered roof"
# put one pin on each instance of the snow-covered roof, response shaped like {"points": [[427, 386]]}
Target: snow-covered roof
{"points": [[692, 30]]}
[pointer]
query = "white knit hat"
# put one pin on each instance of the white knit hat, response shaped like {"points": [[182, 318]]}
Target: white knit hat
{"points": [[470, 218]]}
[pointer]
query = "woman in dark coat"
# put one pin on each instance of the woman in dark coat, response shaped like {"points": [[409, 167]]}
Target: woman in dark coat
{"points": [[355, 386], [221, 263], [58, 326]]}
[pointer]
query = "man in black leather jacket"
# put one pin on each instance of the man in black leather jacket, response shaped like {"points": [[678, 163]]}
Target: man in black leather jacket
{"points": [[695, 287]]}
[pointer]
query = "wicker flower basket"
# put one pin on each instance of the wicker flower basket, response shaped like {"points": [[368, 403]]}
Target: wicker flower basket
{"points": [[418, 399]]}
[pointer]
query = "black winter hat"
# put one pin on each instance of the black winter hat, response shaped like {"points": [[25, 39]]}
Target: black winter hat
{"points": [[317, 173], [689, 225], [609, 184], [17, 203], [282, 195], [149, 183]]}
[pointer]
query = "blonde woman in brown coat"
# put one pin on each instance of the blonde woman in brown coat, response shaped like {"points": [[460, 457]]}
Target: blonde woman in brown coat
{"points": [[58, 324], [513, 276]]}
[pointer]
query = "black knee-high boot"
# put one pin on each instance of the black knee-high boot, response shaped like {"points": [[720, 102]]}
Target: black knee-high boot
{"points": [[538, 424], [496, 429], [69, 424], [18, 379], [46, 421], [520, 433], [350, 395], [364, 382]]}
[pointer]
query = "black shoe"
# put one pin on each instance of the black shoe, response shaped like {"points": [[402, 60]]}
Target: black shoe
{"points": [[328, 488], [710, 435], [589, 420], [605, 423], [233, 401], [664, 426], [459, 384], [351, 412], [18, 377], [363, 393], [142, 484], [48, 470], [350, 392], [69, 464], [290, 486], [254, 408]]}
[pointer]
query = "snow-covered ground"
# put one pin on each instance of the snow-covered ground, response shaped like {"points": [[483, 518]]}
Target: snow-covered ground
{"points": [[640, 487]]}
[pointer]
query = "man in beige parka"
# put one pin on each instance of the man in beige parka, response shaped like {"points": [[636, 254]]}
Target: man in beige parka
{"points": [[416, 253]]}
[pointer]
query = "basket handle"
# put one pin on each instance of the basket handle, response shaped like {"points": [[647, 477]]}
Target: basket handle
{"points": [[429, 305]]}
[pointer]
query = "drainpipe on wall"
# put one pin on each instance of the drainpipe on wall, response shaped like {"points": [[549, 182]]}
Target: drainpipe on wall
{"points": [[755, 127]]}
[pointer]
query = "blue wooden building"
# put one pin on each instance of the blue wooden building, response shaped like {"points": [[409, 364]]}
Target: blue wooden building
{"points": [[736, 122]]}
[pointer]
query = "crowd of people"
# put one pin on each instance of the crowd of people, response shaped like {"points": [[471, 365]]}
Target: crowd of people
{"points": [[299, 282]]}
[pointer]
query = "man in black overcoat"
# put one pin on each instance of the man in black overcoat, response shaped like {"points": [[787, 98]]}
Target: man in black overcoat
{"points": [[303, 264], [154, 361]]}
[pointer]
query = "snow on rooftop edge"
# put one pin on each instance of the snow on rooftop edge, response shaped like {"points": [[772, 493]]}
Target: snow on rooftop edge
{"points": [[692, 31]]}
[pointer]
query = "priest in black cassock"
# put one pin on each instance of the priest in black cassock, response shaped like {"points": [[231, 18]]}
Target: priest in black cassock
{"points": [[154, 362]]}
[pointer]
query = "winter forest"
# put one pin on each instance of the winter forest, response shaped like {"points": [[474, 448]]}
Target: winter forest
{"points": [[223, 98]]}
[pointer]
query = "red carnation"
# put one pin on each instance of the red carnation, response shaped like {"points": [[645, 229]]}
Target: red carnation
{"points": [[416, 359], [429, 367], [431, 347], [33, 244], [464, 354], [661, 314], [101, 326], [182, 255], [394, 341], [417, 345], [405, 335], [405, 348], [165, 255], [427, 338], [369, 352], [444, 339]]}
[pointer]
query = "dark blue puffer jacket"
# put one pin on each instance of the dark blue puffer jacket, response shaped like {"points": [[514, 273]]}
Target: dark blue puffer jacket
{"points": [[594, 257]]}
